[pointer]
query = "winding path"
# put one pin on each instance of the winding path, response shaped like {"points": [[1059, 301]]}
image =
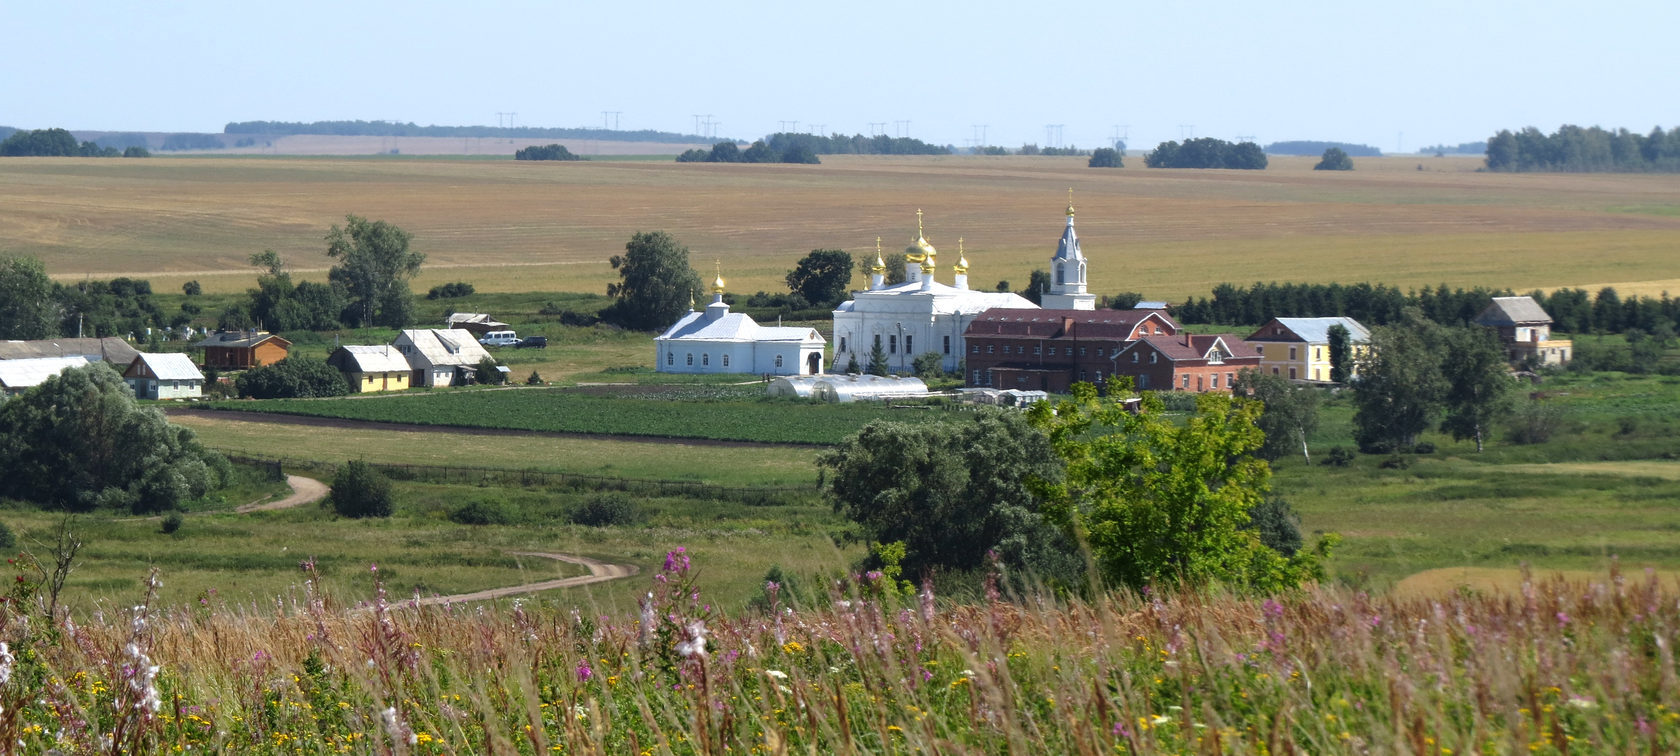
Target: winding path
{"points": [[310, 490]]}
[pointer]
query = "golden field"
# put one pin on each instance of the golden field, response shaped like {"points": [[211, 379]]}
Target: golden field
{"points": [[521, 226]]}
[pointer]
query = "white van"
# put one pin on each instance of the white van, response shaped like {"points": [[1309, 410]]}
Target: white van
{"points": [[499, 338]]}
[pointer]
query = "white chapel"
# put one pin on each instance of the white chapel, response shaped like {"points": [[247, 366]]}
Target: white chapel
{"points": [[918, 316], [716, 340]]}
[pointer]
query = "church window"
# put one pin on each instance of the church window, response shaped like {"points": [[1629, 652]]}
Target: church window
{"points": [[726, 361], [892, 344], [778, 360], [690, 357], [947, 344], [877, 341], [907, 349], [1060, 275], [706, 359], [842, 343], [670, 358]]}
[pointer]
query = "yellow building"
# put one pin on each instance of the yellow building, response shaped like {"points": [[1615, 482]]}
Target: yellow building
{"points": [[1299, 348], [372, 368]]}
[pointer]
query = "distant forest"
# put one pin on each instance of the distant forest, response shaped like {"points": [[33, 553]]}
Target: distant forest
{"points": [[1206, 152], [1588, 150], [1462, 148], [392, 128], [1314, 149], [857, 144], [1572, 310]]}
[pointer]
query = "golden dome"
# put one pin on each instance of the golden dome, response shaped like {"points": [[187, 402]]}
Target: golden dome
{"points": [[1070, 202], [717, 283], [880, 265], [961, 267], [920, 250]]}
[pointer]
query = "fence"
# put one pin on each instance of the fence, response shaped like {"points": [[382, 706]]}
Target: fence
{"points": [[529, 478]]}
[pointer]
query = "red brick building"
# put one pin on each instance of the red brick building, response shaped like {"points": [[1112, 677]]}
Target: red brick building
{"points": [[1050, 350], [1186, 362]]}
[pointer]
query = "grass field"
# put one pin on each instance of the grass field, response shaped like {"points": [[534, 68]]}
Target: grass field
{"points": [[521, 227], [720, 413]]}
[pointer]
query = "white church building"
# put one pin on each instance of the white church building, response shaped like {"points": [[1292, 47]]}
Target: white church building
{"points": [[716, 340], [922, 315]]}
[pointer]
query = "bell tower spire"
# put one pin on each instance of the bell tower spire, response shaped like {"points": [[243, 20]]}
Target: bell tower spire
{"points": [[1067, 271]]}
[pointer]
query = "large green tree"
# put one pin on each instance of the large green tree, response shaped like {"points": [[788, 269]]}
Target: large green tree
{"points": [[1290, 415], [1334, 159], [292, 378], [27, 307], [1399, 390], [656, 284], [1161, 502], [1479, 385], [79, 441], [950, 492], [374, 267], [1341, 353], [822, 277]]}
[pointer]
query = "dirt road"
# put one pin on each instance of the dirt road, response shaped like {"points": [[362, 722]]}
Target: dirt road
{"points": [[599, 572], [304, 491]]}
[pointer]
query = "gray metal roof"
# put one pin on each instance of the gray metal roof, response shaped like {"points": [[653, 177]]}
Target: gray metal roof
{"points": [[240, 339], [431, 347], [172, 366], [33, 371], [1317, 330], [375, 359], [110, 349], [1506, 311]]}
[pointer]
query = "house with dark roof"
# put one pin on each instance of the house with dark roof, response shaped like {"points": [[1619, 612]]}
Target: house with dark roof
{"points": [[242, 350], [1050, 350], [1525, 330], [164, 376], [1299, 348], [1186, 362]]}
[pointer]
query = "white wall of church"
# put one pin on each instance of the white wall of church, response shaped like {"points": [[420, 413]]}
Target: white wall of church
{"points": [[780, 358]]}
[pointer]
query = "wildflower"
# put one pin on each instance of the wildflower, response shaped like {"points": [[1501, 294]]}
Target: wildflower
{"points": [[584, 672], [1562, 619], [676, 560], [776, 673], [6, 661]]}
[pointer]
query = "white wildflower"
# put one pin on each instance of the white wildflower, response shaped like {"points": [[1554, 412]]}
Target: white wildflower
{"points": [[6, 660], [776, 673]]}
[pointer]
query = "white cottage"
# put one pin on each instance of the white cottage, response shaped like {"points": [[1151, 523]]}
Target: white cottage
{"points": [[716, 340], [164, 376], [913, 318], [440, 357]]}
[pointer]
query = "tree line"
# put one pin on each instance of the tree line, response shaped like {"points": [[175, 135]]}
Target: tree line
{"points": [[59, 143], [856, 144], [395, 128], [1206, 152], [546, 152], [757, 152], [33, 306], [1591, 149], [1572, 310], [1309, 147]]}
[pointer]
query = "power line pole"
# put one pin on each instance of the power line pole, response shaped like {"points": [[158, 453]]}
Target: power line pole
{"points": [[1186, 128], [818, 128], [877, 128], [980, 133], [903, 128]]}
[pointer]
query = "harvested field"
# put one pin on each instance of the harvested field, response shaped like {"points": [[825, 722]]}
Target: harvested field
{"points": [[513, 226]]}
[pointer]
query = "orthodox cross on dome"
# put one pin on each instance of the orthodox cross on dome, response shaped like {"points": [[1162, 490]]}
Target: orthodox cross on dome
{"points": [[880, 265], [962, 259], [1070, 204], [717, 282]]}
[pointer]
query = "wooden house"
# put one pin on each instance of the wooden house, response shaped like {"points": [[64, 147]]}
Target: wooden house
{"points": [[164, 376], [242, 350], [1525, 330]]}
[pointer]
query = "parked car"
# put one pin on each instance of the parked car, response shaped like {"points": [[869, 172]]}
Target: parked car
{"points": [[499, 338], [532, 342]]}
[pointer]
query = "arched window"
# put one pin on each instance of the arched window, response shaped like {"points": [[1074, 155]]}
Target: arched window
{"points": [[778, 361], [842, 343], [670, 358], [1061, 275], [726, 360], [706, 359], [690, 358]]}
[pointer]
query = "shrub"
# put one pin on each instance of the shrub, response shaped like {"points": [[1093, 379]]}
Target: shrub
{"points": [[602, 510], [534, 380], [490, 510], [358, 491], [292, 378], [1533, 422], [1278, 525], [1396, 462], [172, 522], [487, 373], [1423, 447], [450, 290], [8, 539]]}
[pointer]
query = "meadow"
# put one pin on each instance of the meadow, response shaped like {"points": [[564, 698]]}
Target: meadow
{"points": [[507, 226]]}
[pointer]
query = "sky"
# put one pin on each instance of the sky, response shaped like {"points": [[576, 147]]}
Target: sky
{"points": [[1393, 75]]}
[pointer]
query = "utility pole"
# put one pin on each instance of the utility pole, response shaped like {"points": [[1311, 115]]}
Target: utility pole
{"points": [[817, 128], [1186, 128], [877, 128], [980, 133], [903, 128]]}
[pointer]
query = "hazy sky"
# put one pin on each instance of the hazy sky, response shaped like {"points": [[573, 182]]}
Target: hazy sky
{"points": [[1388, 74]]}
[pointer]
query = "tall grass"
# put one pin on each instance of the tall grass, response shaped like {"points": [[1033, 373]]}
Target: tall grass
{"points": [[1555, 668]]}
